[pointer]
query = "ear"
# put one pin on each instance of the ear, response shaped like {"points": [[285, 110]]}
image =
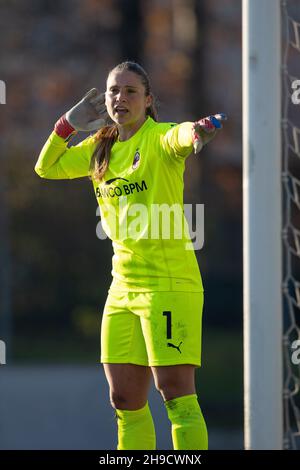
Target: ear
{"points": [[149, 101]]}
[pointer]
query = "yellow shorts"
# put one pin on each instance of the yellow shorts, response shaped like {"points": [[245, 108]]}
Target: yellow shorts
{"points": [[152, 328]]}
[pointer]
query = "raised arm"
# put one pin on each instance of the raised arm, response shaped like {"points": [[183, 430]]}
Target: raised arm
{"points": [[57, 160]]}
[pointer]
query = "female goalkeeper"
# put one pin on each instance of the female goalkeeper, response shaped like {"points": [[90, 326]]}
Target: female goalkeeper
{"points": [[152, 318]]}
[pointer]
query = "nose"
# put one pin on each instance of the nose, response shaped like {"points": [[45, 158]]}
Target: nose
{"points": [[121, 96]]}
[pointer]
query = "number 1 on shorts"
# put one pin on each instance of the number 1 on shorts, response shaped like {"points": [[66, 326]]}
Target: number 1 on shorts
{"points": [[169, 324]]}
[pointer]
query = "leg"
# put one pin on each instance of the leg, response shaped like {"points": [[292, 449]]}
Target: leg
{"points": [[125, 362], [129, 385], [177, 387], [173, 338], [172, 334], [174, 381]]}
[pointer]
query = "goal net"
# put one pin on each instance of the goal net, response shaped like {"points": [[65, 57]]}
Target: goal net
{"points": [[290, 15]]}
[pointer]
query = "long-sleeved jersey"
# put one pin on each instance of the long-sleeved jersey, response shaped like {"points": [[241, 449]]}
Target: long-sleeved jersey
{"points": [[141, 204]]}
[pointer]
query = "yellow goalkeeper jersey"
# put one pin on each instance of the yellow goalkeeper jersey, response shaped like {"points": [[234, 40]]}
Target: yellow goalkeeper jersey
{"points": [[141, 204]]}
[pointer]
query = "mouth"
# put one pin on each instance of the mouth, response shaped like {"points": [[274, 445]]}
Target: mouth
{"points": [[121, 110]]}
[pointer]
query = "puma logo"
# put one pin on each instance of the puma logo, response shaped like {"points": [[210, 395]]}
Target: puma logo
{"points": [[173, 346]]}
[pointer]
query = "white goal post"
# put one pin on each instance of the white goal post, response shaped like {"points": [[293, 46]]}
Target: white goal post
{"points": [[262, 212]]}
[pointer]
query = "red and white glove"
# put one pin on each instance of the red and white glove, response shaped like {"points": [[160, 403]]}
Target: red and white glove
{"points": [[88, 115], [64, 129], [205, 130]]}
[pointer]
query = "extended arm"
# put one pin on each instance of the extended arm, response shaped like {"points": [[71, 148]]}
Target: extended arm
{"points": [[186, 136]]}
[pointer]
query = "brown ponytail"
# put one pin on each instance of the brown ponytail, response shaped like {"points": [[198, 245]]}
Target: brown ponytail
{"points": [[107, 136]]}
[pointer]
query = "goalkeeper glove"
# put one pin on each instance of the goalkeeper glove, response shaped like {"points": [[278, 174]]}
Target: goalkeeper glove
{"points": [[205, 130], [88, 115]]}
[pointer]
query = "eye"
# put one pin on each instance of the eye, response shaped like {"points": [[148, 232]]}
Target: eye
{"points": [[131, 91]]}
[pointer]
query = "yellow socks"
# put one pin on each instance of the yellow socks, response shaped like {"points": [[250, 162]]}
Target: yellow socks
{"points": [[136, 429], [188, 425]]}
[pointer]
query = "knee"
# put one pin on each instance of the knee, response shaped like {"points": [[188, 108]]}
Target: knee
{"points": [[126, 401], [118, 400], [172, 387], [167, 386]]}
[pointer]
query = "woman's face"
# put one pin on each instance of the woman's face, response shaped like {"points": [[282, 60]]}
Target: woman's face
{"points": [[125, 98]]}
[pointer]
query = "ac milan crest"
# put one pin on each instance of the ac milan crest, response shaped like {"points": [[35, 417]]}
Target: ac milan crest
{"points": [[136, 159]]}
